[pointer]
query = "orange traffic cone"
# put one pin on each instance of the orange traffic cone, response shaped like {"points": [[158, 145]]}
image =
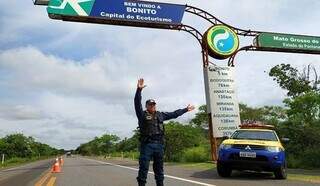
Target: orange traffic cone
{"points": [[56, 167]]}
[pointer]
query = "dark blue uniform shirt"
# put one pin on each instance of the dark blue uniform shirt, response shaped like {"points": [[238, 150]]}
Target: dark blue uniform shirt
{"points": [[163, 116]]}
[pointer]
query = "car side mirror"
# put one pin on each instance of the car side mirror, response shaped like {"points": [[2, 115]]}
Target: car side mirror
{"points": [[285, 140]]}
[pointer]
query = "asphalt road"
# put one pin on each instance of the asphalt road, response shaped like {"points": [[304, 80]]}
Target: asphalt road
{"points": [[80, 171], [24, 175]]}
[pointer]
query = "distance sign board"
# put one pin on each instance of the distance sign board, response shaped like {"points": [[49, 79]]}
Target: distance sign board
{"points": [[222, 100]]}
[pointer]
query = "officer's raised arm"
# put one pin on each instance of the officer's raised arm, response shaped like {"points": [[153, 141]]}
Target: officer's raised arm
{"points": [[137, 100], [177, 113]]}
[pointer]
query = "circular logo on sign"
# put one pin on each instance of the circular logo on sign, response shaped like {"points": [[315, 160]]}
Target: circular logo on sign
{"points": [[222, 41]]}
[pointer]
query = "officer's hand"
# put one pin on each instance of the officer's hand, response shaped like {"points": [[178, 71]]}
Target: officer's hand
{"points": [[141, 84], [190, 108]]}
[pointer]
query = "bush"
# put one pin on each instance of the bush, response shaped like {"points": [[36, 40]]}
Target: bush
{"points": [[312, 156], [16, 160], [196, 154], [130, 155], [303, 148], [19, 146], [179, 137], [309, 159], [293, 161]]}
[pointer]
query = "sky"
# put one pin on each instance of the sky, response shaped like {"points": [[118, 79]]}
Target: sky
{"points": [[65, 83]]}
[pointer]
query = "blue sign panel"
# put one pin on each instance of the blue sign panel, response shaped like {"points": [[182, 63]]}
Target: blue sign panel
{"points": [[138, 11]]}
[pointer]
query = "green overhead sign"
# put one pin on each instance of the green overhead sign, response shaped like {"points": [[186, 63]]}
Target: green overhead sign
{"points": [[288, 43]]}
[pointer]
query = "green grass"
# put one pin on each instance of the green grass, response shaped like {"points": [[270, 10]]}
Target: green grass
{"points": [[195, 155], [126, 155], [303, 177], [202, 166], [293, 174]]}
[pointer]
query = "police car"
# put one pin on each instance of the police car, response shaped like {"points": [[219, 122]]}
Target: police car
{"points": [[253, 147]]}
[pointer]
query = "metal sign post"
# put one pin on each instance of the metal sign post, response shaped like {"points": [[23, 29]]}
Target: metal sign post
{"points": [[212, 139]]}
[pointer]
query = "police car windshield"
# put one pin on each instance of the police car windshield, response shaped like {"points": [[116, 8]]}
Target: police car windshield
{"points": [[255, 135]]}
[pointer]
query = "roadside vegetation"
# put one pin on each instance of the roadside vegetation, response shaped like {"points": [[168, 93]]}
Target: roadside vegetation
{"points": [[298, 119], [18, 149]]}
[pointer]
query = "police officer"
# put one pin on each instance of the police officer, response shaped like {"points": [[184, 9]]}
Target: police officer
{"points": [[152, 135]]}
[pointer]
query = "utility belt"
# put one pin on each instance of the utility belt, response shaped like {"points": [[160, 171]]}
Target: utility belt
{"points": [[155, 141], [148, 139]]}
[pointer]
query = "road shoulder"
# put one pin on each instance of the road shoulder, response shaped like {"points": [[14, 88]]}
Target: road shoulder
{"points": [[196, 169]]}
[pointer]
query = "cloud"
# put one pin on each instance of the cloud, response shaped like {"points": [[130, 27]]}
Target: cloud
{"points": [[20, 112], [96, 95], [33, 71]]}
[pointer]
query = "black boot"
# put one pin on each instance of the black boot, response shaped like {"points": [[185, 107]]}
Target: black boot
{"points": [[141, 184]]}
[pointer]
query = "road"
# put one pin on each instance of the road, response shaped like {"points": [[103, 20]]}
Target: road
{"points": [[24, 175], [80, 171]]}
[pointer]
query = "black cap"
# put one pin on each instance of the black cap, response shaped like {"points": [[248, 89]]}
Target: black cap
{"points": [[150, 101]]}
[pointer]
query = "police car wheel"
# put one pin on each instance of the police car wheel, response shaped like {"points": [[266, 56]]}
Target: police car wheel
{"points": [[223, 170], [281, 172]]}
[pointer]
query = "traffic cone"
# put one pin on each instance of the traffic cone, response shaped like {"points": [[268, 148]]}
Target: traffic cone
{"points": [[56, 167]]}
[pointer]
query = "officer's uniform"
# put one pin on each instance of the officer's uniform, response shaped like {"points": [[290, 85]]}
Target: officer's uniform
{"points": [[152, 139]]}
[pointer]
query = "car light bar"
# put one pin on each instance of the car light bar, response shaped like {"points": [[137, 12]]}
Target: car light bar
{"points": [[41, 2], [255, 125]]}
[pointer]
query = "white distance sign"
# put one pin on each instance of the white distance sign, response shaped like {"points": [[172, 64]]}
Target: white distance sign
{"points": [[222, 98]]}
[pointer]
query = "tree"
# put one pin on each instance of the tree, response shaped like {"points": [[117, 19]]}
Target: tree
{"points": [[107, 143], [179, 137], [296, 83], [303, 91], [20, 146], [3, 147], [267, 114], [305, 108], [129, 144], [249, 113], [302, 124], [99, 145], [201, 117]]}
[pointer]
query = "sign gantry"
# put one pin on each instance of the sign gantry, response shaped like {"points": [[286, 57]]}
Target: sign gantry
{"points": [[220, 41]]}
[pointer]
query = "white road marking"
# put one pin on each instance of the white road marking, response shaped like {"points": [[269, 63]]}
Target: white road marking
{"points": [[5, 170], [150, 172]]}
